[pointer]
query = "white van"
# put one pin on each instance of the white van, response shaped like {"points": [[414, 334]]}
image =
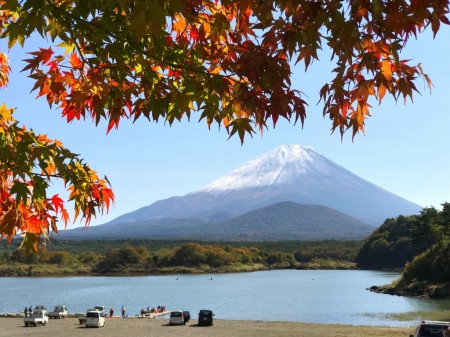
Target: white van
{"points": [[95, 319]]}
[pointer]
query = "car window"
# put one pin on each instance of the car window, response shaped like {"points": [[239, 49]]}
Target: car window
{"points": [[92, 314], [175, 314]]}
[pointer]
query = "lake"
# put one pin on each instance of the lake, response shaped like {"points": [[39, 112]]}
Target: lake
{"points": [[316, 296]]}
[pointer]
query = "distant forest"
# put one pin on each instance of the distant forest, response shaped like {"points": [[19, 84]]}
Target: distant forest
{"points": [[152, 256]]}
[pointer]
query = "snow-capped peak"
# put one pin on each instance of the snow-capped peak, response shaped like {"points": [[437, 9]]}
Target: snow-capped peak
{"points": [[279, 165]]}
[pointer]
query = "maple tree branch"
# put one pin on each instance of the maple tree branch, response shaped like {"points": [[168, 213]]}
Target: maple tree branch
{"points": [[58, 175], [130, 42], [10, 166]]}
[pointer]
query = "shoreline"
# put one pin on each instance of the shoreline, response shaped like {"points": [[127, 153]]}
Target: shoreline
{"points": [[159, 327], [25, 273]]}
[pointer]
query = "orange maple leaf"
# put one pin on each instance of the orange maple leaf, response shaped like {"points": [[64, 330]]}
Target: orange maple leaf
{"points": [[108, 197], [58, 203], [34, 225], [75, 61], [4, 69]]}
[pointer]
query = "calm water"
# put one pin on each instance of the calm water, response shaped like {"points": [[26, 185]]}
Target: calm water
{"points": [[289, 295]]}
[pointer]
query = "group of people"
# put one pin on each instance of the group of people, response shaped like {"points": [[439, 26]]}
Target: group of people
{"points": [[28, 311], [153, 310], [123, 311], [160, 308]]}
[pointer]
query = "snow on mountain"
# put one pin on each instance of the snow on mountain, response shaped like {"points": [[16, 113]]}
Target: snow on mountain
{"points": [[275, 167]]}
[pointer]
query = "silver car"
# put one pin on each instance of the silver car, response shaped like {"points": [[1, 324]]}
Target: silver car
{"points": [[176, 318]]}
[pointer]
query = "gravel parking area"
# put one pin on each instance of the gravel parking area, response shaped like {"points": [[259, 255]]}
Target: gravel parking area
{"points": [[137, 327]]}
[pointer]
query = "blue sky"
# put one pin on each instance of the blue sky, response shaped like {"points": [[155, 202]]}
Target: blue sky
{"points": [[405, 149]]}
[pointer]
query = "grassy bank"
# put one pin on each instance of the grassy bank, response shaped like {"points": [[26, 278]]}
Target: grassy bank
{"points": [[441, 315]]}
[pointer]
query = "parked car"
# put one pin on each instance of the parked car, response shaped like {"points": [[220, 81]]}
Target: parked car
{"points": [[82, 319], [177, 318], [101, 308], [205, 317], [60, 311], [39, 316], [95, 318], [430, 329], [186, 316]]}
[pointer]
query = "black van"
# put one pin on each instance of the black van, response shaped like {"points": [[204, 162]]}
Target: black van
{"points": [[186, 316], [205, 317], [431, 329]]}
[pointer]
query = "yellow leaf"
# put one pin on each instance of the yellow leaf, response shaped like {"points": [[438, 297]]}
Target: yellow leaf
{"points": [[6, 114], [381, 92], [50, 169], [179, 25], [67, 47], [386, 69]]}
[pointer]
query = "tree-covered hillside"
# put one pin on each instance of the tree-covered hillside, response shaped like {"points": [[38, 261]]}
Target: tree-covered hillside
{"points": [[390, 245], [399, 240], [420, 244]]}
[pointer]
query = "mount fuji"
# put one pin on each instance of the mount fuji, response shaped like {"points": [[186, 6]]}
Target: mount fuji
{"points": [[289, 173]]}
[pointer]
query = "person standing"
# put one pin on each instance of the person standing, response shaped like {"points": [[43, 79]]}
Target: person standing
{"points": [[111, 312], [124, 311], [446, 332], [25, 311], [30, 311]]}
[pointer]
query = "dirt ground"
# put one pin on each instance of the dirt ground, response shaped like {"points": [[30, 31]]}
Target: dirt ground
{"points": [[148, 327]]}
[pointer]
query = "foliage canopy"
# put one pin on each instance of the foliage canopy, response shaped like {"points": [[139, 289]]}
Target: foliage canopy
{"points": [[227, 61], [398, 241]]}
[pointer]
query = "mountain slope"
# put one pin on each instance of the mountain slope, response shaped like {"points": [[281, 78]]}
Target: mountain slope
{"points": [[167, 229], [281, 221], [287, 173], [286, 221]]}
